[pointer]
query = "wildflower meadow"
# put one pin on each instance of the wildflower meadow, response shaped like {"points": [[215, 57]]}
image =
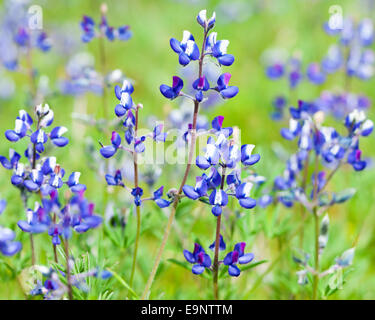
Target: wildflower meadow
{"points": [[187, 150]]}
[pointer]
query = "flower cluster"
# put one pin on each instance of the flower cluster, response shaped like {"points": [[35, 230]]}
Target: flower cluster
{"points": [[44, 176], [223, 153], [127, 112], [330, 147], [352, 51], [202, 261]]}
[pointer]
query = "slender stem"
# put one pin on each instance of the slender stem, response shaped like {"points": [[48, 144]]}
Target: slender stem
{"points": [[68, 275], [316, 221], [138, 210], [177, 197], [217, 244]]}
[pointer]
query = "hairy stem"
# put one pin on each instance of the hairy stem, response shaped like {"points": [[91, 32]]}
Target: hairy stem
{"points": [[177, 197], [138, 210], [303, 186], [217, 243]]}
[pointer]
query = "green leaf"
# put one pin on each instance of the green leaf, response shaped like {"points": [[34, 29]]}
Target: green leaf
{"points": [[124, 283]]}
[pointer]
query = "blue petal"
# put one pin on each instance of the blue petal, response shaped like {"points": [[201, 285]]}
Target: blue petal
{"points": [[229, 92], [226, 59], [108, 151], [247, 203], [233, 270], [246, 258], [175, 45], [197, 269], [190, 192], [202, 163], [189, 256]]}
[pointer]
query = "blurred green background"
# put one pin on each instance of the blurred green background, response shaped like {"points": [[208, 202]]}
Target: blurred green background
{"points": [[147, 58]]}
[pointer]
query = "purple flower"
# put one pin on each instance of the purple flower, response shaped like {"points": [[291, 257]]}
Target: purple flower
{"points": [[237, 256], [198, 191], [8, 247], [174, 91], [275, 71], [314, 74], [222, 245], [124, 95], [162, 203], [109, 151], [88, 27], [137, 194], [242, 194], [199, 258], [226, 91]]}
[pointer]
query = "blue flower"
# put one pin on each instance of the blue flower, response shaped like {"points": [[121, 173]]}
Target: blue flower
{"points": [[218, 49], [237, 256], [198, 191], [73, 182], [314, 74], [207, 24], [56, 136], [88, 27], [218, 199], [20, 130], [158, 134], [39, 138], [124, 95], [174, 91], [35, 182], [137, 194], [226, 91], [162, 203], [8, 247], [247, 158], [242, 194], [199, 258], [222, 245], [354, 158], [38, 221], [187, 49], [293, 130], [115, 180], [14, 157], [109, 151], [200, 85], [275, 71]]}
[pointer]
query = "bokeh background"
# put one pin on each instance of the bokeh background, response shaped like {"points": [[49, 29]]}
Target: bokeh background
{"points": [[252, 28]]}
